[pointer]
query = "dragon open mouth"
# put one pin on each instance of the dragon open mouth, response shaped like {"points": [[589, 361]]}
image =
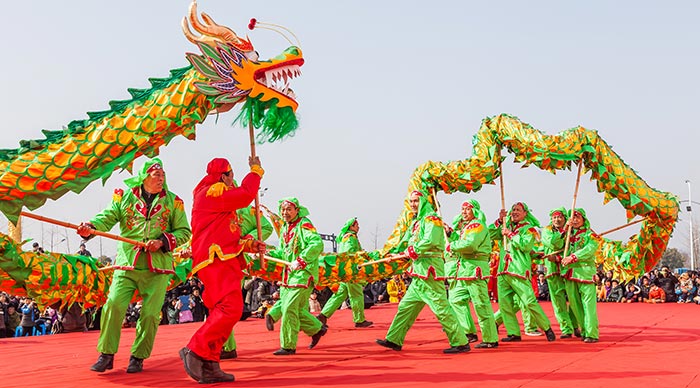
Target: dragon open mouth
{"points": [[277, 77]]}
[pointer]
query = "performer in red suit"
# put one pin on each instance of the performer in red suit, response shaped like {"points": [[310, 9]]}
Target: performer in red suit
{"points": [[217, 258]]}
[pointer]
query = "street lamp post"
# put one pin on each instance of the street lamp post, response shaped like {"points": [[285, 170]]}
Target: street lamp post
{"points": [[331, 238], [692, 243]]}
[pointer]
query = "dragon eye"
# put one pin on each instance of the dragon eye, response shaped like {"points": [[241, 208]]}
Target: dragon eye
{"points": [[252, 55]]}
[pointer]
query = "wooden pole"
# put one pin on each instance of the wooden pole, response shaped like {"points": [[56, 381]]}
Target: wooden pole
{"points": [[603, 234], [251, 134], [573, 206], [275, 260], [437, 208], [622, 227], [503, 205], [74, 226], [384, 260]]}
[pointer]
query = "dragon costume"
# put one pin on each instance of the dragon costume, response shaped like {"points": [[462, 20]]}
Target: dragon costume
{"points": [[228, 72]]}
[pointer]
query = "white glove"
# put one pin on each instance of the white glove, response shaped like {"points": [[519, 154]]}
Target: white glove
{"points": [[295, 265]]}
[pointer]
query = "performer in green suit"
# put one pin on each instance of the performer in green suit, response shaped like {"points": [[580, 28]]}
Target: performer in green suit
{"points": [[301, 246], [553, 236], [348, 243], [579, 268], [530, 326], [425, 243], [146, 212], [514, 269], [468, 273]]}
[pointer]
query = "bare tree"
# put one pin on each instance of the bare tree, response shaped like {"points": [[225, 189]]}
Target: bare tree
{"points": [[673, 258]]}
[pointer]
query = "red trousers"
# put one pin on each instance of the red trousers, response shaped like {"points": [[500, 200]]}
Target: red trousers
{"points": [[222, 296]]}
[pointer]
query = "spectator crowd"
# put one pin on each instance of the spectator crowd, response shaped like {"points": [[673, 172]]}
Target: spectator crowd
{"points": [[656, 286], [20, 316]]}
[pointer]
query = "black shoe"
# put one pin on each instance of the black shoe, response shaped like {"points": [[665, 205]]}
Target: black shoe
{"points": [[457, 349], [317, 337], [550, 335], [388, 344], [472, 338], [192, 362], [322, 318], [226, 355], [565, 336], [511, 338], [486, 345], [590, 340], [285, 352], [135, 365], [212, 373], [577, 332], [104, 362], [269, 323], [364, 324]]}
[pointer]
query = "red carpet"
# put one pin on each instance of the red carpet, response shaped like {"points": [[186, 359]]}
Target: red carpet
{"points": [[641, 345]]}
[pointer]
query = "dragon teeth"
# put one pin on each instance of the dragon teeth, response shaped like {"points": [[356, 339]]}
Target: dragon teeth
{"points": [[278, 79]]}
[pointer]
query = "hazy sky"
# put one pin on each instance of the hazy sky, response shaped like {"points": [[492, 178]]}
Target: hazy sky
{"points": [[387, 86]]}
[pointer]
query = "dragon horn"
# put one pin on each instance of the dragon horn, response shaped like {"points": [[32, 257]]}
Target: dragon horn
{"points": [[209, 29]]}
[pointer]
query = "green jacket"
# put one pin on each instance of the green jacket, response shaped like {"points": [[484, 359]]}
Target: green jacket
{"points": [[249, 226], [349, 243], [469, 251], [583, 247], [299, 241], [165, 220], [552, 241], [425, 241], [517, 259]]}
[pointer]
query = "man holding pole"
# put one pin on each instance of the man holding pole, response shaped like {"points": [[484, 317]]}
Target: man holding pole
{"points": [[470, 247], [147, 212], [517, 229], [217, 258], [348, 243], [578, 268], [553, 237], [300, 247], [425, 240]]}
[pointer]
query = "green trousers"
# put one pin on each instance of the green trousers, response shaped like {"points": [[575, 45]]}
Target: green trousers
{"points": [[476, 291], [151, 287], [582, 301], [357, 301], [529, 325], [508, 288], [230, 343], [557, 292], [293, 309], [421, 292]]}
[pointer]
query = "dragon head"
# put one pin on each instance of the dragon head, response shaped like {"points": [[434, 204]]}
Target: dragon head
{"points": [[232, 67]]}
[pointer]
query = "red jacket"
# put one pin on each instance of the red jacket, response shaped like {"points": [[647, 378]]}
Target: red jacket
{"points": [[215, 227]]}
